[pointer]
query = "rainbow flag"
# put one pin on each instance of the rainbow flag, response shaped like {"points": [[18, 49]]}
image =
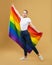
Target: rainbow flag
{"points": [[14, 30]]}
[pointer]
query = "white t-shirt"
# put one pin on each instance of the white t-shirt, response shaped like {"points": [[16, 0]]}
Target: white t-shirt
{"points": [[24, 23]]}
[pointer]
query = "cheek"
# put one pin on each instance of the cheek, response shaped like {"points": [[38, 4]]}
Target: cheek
{"points": [[24, 14]]}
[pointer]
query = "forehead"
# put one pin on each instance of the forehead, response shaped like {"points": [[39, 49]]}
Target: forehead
{"points": [[24, 12]]}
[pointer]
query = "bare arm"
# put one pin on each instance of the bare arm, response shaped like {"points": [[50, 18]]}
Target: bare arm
{"points": [[33, 27], [16, 10]]}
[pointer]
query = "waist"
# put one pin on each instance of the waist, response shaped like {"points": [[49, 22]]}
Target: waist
{"points": [[24, 30]]}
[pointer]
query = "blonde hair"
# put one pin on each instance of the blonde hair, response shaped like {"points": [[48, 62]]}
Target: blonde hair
{"points": [[26, 11]]}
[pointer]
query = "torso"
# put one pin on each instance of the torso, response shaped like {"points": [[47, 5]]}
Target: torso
{"points": [[24, 23]]}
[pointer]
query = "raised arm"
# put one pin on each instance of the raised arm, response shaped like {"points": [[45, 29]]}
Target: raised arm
{"points": [[16, 11]]}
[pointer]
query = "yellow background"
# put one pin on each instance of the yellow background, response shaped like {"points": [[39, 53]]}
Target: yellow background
{"points": [[40, 13]]}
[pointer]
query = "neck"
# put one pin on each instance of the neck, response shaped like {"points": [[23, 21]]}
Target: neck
{"points": [[25, 17]]}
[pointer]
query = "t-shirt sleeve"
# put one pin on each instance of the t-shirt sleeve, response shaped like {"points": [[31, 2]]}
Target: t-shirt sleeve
{"points": [[29, 20]]}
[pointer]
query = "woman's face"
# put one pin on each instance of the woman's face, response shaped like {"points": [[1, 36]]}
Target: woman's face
{"points": [[24, 14]]}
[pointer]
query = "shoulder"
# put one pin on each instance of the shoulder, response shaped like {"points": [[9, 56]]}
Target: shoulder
{"points": [[29, 19]]}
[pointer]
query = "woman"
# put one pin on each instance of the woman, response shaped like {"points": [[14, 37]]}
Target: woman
{"points": [[24, 23]]}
